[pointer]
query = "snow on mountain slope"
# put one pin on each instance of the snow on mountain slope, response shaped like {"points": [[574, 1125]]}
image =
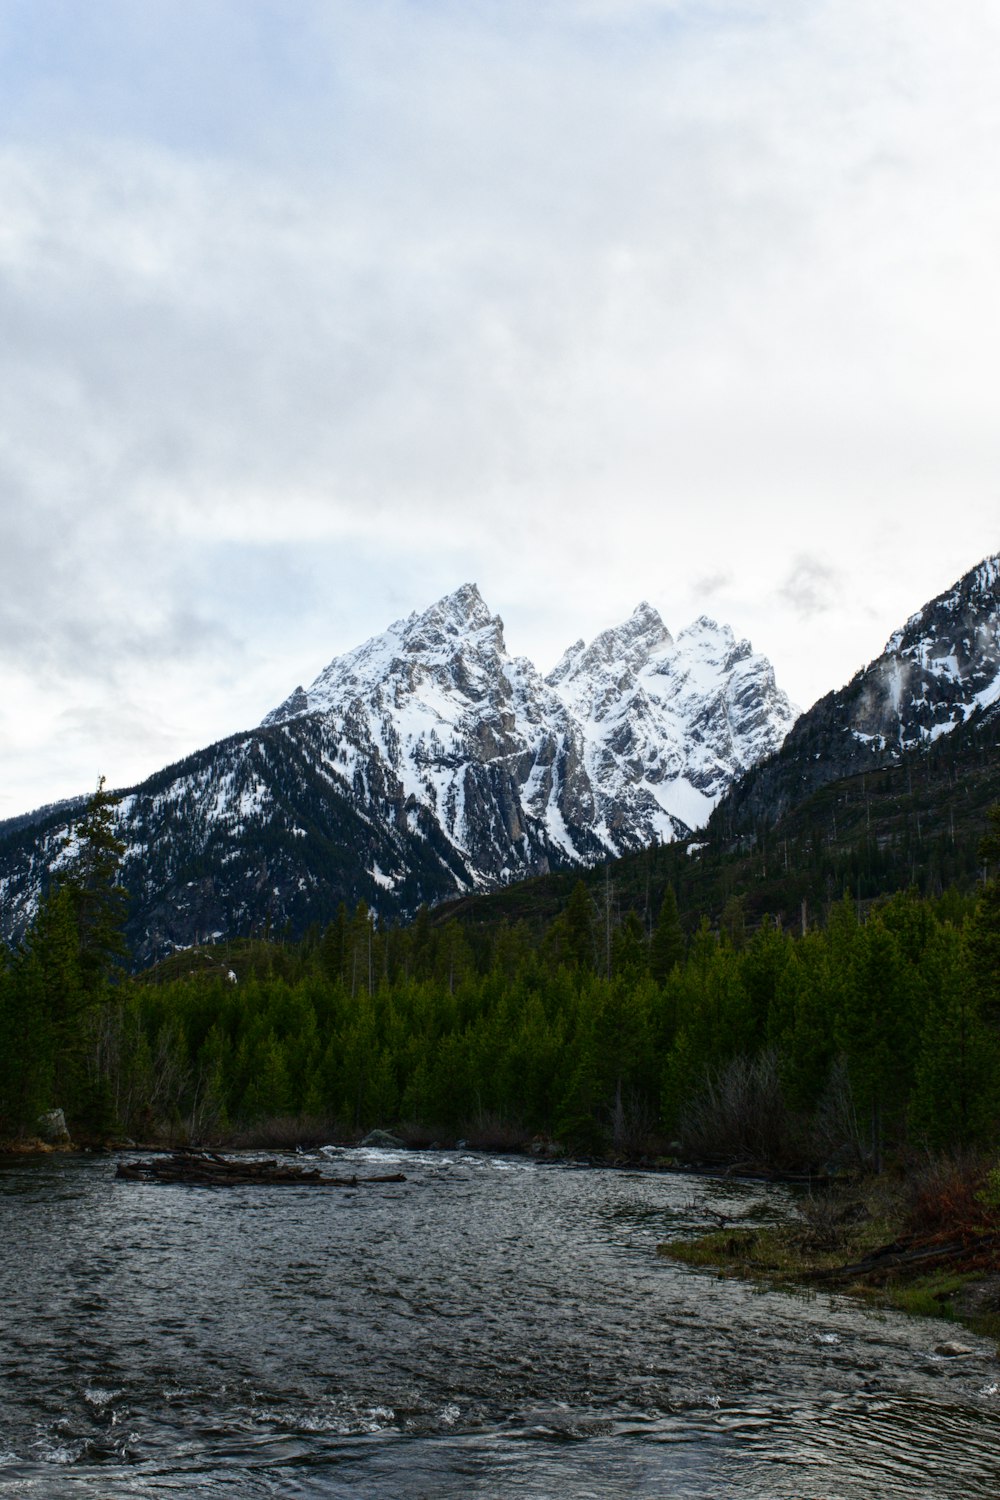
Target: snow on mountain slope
{"points": [[423, 764], [456, 726], [937, 671], [630, 740], [939, 668], [668, 725]]}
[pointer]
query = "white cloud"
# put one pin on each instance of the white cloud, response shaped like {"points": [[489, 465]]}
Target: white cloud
{"points": [[309, 315]]}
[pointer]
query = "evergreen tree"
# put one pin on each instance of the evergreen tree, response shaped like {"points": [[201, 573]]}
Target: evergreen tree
{"points": [[984, 934], [955, 1087], [580, 928], [98, 898], [668, 946], [628, 949], [333, 947]]}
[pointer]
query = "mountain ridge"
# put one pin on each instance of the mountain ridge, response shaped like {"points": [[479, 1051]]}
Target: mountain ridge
{"points": [[635, 717], [425, 763], [936, 671]]}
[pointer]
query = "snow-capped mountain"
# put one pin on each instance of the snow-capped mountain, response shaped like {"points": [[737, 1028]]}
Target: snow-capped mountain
{"points": [[667, 725], [426, 763], [938, 671], [630, 740]]}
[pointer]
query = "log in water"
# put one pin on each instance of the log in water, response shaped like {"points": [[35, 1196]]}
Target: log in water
{"points": [[489, 1328], [209, 1169]]}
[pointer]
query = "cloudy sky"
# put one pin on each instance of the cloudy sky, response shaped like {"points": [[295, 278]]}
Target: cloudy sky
{"points": [[311, 310]]}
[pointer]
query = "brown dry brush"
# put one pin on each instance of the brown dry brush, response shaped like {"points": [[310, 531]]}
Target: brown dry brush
{"points": [[948, 1211], [954, 1195]]}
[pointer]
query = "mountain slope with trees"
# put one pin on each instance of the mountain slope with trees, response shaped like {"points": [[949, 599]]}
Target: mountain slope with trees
{"points": [[937, 672], [876, 1033]]}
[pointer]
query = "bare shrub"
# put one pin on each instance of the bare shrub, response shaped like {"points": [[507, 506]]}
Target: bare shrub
{"points": [[284, 1133], [491, 1132], [417, 1136], [951, 1194], [837, 1137], [829, 1217], [739, 1114], [633, 1124]]}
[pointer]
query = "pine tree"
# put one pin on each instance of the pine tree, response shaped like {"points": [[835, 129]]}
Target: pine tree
{"points": [[955, 1088], [668, 946], [580, 928], [99, 900], [628, 949], [984, 934]]}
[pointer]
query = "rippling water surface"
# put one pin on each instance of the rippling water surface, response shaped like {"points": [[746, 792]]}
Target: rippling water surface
{"points": [[491, 1327]]}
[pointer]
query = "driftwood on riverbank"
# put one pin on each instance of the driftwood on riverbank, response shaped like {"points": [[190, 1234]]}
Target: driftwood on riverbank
{"points": [[915, 1255], [208, 1169]]}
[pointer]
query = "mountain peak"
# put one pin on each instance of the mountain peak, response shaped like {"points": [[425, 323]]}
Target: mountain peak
{"points": [[461, 609], [426, 762], [623, 648], [705, 627], [435, 639]]}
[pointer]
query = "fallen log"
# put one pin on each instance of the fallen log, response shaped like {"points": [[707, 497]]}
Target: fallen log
{"points": [[914, 1254], [208, 1169]]}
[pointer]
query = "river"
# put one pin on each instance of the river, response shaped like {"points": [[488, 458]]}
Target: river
{"points": [[492, 1327]]}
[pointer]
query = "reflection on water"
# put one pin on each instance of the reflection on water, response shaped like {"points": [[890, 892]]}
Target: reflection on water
{"points": [[491, 1327]]}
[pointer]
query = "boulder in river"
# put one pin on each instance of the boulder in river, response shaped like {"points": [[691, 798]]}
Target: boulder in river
{"points": [[382, 1138], [52, 1128]]}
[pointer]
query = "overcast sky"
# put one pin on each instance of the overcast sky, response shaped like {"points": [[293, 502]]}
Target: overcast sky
{"points": [[310, 312]]}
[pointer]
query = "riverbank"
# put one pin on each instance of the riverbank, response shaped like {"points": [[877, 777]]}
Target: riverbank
{"points": [[925, 1243]]}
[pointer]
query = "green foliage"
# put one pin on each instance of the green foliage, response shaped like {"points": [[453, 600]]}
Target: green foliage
{"points": [[98, 899], [866, 1034], [57, 985], [989, 1193], [668, 946]]}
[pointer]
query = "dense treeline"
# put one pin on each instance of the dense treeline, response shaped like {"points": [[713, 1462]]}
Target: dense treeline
{"points": [[833, 1045], [914, 825], [58, 988]]}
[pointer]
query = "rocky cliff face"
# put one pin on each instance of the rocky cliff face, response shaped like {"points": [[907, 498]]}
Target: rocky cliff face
{"points": [[428, 762], [667, 725], [630, 740], [939, 670]]}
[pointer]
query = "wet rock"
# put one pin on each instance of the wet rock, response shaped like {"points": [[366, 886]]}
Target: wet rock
{"points": [[951, 1350], [52, 1128], [382, 1138], [543, 1146]]}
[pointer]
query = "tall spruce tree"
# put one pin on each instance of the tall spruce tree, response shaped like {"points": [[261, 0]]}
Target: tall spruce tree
{"points": [[98, 898], [984, 933], [668, 947], [58, 980]]}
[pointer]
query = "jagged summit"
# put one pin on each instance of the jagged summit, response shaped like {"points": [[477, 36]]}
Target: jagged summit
{"points": [[465, 607], [630, 739], [427, 644], [427, 762], [628, 645], [667, 725]]}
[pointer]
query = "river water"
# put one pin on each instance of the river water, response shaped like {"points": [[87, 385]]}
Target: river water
{"points": [[490, 1327]]}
